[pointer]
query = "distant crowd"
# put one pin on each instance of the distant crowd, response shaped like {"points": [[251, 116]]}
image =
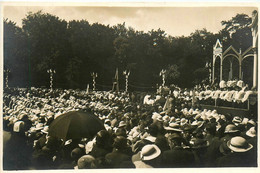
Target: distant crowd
{"points": [[167, 129]]}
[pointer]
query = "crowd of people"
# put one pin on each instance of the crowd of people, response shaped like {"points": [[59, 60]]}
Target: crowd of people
{"points": [[167, 129]]}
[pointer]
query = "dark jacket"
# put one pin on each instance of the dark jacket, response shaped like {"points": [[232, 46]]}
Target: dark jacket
{"points": [[178, 157], [118, 159]]}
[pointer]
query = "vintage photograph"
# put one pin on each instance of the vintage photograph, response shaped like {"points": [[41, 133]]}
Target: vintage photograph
{"points": [[114, 86]]}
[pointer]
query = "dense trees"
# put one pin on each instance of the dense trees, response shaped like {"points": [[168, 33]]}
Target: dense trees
{"points": [[77, 48]]}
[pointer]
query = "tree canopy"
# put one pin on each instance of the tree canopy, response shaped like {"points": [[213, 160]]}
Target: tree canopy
{"points": [[77, 48]]}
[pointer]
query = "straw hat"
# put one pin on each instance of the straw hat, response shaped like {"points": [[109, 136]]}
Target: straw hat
{"points": [[239, 144], [122, 124], [150, 152], [237, 120], [251, 132], [231, 128], [45, 129], [18, 126], [173, 127]]}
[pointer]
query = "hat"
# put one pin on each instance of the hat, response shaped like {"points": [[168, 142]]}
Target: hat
{"points": [[150, 138], [166, 118], [237, 120], [39, 126], [177, 120], [45, 129], [18, 126], [239, 144], [231, 128], [251, 122], [172, 119], [159, 118], [173, 127], [150, 152], [251, 132], [122, 124], [85, 161], [184, 121], [197, 123]]}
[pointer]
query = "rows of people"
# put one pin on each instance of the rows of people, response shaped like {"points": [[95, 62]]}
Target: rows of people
{"points": [[164, 133]]}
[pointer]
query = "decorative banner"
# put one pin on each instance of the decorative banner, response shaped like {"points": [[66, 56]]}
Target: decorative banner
{"points": [[94, 75], [126, 79]]}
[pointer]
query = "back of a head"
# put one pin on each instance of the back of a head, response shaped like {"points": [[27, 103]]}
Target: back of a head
{"points": [[102, 137], [120, 142], [85, 162], [153, 129], [76, 153]]}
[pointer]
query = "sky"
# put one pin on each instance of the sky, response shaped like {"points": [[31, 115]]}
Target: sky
{"points": [[175, 21]]}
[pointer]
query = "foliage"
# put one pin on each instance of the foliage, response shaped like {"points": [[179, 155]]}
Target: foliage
{"points": [[77, 48]]}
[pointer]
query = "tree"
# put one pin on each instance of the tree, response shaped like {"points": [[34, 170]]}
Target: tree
{"points": [[47, 45], [15, 54], [237, 32], [172, 73]]}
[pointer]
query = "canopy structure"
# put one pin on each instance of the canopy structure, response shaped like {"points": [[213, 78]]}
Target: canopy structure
{"points": [[240, 56]]}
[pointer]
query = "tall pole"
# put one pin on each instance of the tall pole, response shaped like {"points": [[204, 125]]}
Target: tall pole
{"points": [[7, 71], [126, 79], [51, 72], [94, 76]]}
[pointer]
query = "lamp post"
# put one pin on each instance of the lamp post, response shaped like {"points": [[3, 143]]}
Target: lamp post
{"points": [[162, 73], [7, 71], [94, 76], [51, 72], [126, 79]]}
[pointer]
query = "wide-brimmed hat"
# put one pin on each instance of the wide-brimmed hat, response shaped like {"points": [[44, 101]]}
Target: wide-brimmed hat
{"points": [[45, 129], [150, 152], [122, 124], [231, 128], [159, 118], [252, 122], [184, 121], [237, 120], [251, 132], [239, 144], [173, 127], [197, 123]]}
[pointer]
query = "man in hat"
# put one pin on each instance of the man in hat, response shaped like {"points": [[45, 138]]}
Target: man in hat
{"points": [[241, 154], [120, 155], [17, 154], [148, 157], [177, 157]]}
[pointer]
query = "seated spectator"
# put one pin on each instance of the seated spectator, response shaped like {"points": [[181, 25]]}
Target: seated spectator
{"points": [[121, 154], [241, 154], [148, 157]]}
